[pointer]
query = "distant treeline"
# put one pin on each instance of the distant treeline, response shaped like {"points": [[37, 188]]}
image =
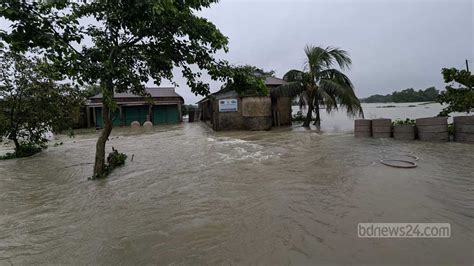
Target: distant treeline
{"points": [[405, 96]]}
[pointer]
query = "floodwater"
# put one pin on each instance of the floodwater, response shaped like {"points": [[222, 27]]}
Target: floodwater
{"points": [[339, 122], [194, 196]]}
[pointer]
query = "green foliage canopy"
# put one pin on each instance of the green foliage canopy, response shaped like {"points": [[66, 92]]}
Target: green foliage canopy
{"points": [[119, 45], [31, 103], [405, 96], [460, 99], [246, 80], [131, 40]]}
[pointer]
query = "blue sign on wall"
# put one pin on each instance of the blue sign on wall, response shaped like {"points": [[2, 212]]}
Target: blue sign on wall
{"points": [[228, 105]]}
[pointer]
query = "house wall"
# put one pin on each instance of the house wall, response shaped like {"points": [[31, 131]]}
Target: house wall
{"points": [[253, 113], [282, 112], [227, 120], [257, 113], [125, 115]]}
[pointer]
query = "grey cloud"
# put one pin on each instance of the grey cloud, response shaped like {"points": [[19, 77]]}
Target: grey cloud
{"points": [[394, 44]]}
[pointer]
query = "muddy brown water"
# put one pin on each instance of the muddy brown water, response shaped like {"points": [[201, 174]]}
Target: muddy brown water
{"points": [[193, 196]]}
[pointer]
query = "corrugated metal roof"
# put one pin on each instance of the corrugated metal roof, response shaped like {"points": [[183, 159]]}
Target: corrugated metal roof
{"points": [[155, 92], [269, 81], [274, 81]]}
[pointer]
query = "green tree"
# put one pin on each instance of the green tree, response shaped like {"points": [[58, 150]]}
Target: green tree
{"points": [[321, 84], [125, 44], [32, 104], [405, 96], [246, 80], [460, 99]]}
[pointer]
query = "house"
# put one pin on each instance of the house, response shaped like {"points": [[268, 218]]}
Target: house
{"points": [[227, 110], [162, 107]]}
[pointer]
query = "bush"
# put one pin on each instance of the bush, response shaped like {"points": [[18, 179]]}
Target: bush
{"points": [[25, 150], [114, 160], [407, 121], [451, 129], [298, 117]]}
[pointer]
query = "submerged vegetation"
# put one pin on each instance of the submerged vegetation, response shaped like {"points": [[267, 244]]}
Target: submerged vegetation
{"points": [[25, 149], [386, 106], [114, 160], [298, 117]]}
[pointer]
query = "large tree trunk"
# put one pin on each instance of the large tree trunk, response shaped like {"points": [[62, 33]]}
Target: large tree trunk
{"points": [[99, 165], [307, 120]]}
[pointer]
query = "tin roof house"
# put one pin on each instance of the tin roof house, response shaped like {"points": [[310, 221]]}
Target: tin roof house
{"points": [[162, 107]]}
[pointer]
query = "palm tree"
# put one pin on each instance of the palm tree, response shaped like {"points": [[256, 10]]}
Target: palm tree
{"points": [[321, 84]]}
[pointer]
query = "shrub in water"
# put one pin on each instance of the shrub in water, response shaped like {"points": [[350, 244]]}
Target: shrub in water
{"points": [[451, 129], [407, 121], [115, 159], [25, 150], [298, 117]]}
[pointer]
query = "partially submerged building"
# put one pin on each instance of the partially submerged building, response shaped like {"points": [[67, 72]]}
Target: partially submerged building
{"points": [[227, 110], [162, 107]]}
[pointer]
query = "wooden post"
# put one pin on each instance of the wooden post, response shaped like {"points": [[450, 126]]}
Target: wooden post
{"points": [[148, 117], [88, 116], [180, 113], [122, 122], [94, 117]]}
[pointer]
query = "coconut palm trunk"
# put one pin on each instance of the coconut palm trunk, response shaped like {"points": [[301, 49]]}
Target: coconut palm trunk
{"points": [[309, 115], [317, 120]]}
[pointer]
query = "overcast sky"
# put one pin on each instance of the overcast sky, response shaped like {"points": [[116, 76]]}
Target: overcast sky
{"points": [[393, 44]]}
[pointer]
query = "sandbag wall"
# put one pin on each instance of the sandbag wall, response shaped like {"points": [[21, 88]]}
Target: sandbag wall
{"points": [[426, 129]]}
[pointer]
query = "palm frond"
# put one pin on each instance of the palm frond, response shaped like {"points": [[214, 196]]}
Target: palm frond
{"points": [[341, 56], [343, 92], [293, 75], [327, 99], [303, 100], [317, 59], [334, 74], [322, 84], [291, 89]]}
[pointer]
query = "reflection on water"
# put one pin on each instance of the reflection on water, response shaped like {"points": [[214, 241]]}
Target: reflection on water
{"points": [[193, 196]]}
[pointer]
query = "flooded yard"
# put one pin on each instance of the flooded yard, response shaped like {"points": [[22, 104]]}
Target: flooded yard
{"points": [[193, 196]]}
